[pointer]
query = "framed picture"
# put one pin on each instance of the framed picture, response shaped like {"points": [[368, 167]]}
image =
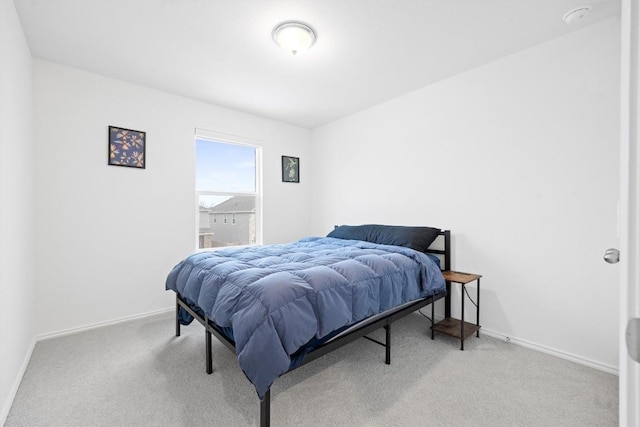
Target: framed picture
{"points": [[290, 169], [127, 147]]}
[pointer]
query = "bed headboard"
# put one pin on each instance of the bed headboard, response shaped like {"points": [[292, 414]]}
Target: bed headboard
{"points": [[441, 247]]}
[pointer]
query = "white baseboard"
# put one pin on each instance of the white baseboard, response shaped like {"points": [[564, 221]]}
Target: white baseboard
{"points": [[547, 350], [16, 384], [75, 330], [553, 352], [524, 343]]}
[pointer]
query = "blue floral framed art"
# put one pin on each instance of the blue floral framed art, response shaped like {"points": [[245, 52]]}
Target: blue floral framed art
{"points": [[127, 147], [290, 169]]}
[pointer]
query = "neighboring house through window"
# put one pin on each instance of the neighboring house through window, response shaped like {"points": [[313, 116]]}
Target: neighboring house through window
{"points": [[227, 187]]}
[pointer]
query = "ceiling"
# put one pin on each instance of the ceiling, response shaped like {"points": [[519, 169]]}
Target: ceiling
{"points": [[221, 51]]}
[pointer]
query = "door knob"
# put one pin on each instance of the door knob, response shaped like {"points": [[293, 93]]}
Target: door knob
{"points": [[612, 256]]}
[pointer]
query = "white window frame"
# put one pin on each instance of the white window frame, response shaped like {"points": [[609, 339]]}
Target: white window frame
{"points": [[215, 136]]}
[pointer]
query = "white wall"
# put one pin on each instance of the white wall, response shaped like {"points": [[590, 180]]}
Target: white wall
{"points": [[17, 206], [519, 158], [108, 236]]}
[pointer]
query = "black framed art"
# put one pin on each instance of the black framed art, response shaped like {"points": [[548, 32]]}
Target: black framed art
{"points": [[127, 147], [290, 169]]}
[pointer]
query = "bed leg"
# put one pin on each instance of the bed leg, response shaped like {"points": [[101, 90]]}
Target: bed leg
{"points": [[209, 356], [447, 301], [387, 330], [177, 317], [265, 410], [433, 316]]}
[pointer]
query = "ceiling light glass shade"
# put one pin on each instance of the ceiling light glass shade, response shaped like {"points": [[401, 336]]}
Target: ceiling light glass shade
{"points": [[294, 36], [576, 15]]}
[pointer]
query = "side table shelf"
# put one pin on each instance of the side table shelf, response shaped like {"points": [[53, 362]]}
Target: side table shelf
{"points": [[458, 328]]}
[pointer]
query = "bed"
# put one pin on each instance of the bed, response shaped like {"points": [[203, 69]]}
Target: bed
{"points": [[299, 301]]}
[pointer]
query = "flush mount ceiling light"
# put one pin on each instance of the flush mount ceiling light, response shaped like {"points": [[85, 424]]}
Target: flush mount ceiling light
{"points": [[294, 36], [575, 15]]}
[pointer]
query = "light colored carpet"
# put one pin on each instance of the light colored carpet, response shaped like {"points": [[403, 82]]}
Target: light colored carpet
{"points": [[139, 374]]}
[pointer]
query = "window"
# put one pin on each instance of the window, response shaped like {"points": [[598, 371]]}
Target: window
{"points": [[227, 187]]}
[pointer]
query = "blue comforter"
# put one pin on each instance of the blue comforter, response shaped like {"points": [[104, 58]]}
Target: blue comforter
{"points": [[277, 298]]}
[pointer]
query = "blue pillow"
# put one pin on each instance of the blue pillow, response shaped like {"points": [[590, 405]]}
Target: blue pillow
{"points": [[417, 238]]}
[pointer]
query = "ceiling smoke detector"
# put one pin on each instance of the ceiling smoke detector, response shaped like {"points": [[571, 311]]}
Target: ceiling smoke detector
{"points": [[576, 15]]}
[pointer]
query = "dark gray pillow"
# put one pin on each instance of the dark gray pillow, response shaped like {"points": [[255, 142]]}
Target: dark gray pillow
{"points": [[417, 238]]}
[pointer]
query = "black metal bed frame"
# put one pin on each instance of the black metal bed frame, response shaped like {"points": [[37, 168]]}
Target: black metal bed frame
{"points": [[340, 340]]}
